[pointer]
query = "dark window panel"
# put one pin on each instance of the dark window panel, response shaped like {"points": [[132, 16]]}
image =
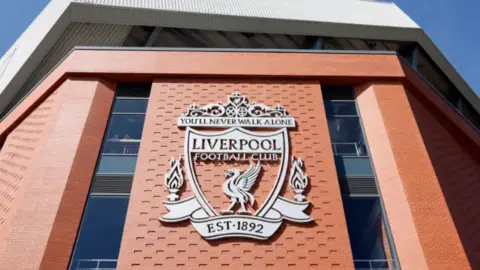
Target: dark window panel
{"points": [[138, 90], [121, 147], [358, 186], [125, 127], [340, 108], [382, 264], [107, 265], [348, 149], [373, 265], [112, 183], [85, 264], [124, 134], [345, 129], [117, 164], [367, 232], [362, 264], [346, 135], [100, 235], [338, 93], [101, 231], [353, 167], [130, 106]]}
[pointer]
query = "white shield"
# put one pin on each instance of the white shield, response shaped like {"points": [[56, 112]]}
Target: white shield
{"points": [[236, 133]]}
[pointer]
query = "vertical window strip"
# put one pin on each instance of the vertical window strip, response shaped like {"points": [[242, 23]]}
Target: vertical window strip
{"points": [[100, 233], [370, 237]]}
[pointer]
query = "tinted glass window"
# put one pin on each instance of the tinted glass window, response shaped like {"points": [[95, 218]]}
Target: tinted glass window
{"points": [[348, 149], [98, 240], [117, 164], [126, 127], [366, 231], [362, 185], [353, 167], [112, 183], [130, 106], [340, 108], [345, 130], [139, 90], [101, 231], [368, 235], [121, 146], [124, 134], [343, 122], [347, 136], [338, 93]]}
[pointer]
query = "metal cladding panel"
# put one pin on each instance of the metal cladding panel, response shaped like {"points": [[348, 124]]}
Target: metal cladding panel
{"points": [[339, 11], [77, 34]]}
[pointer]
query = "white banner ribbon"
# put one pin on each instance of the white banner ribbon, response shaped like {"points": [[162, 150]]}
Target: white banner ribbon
{"points": [[290, 210], [236, 225], [180, 210]]}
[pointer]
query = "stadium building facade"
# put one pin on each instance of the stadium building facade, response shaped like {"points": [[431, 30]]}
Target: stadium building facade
{"points": [[234, 134]]}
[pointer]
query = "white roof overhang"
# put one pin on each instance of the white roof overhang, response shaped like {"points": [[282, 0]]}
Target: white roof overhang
{"points": [[340, 18]]}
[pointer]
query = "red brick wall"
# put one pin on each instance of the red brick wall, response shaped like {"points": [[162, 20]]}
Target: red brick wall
{"points": [[148, 244], [391, 187], [19, 156], [458, 173], [436, 230], [37, 224], [124, 65], [43, 181], [70, 210]]}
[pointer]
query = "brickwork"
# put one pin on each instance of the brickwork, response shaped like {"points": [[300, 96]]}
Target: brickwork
{"points": [[436, 230], [407, 243], [423, 154], [124, 65], [458, 173], [25, 243], [147, 243], [19, 156], [70, 211]]}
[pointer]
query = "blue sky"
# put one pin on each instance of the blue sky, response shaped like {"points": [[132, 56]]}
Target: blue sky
{"points": [[452, 25]]}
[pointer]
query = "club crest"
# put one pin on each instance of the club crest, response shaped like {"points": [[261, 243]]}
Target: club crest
{"points": [[224, 134]]}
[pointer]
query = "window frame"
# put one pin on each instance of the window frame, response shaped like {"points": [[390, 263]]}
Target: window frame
{"points": [[357, 115], [71, 264], [388, 231]]}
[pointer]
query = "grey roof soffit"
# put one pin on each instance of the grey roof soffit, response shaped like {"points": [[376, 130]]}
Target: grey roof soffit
{"points": [[34, 44]]}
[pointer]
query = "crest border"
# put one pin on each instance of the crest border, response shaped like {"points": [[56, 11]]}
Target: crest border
{"points": [[274, 193]]}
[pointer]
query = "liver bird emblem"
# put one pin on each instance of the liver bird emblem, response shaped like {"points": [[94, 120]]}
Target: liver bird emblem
{"points": [[238, 185]]}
